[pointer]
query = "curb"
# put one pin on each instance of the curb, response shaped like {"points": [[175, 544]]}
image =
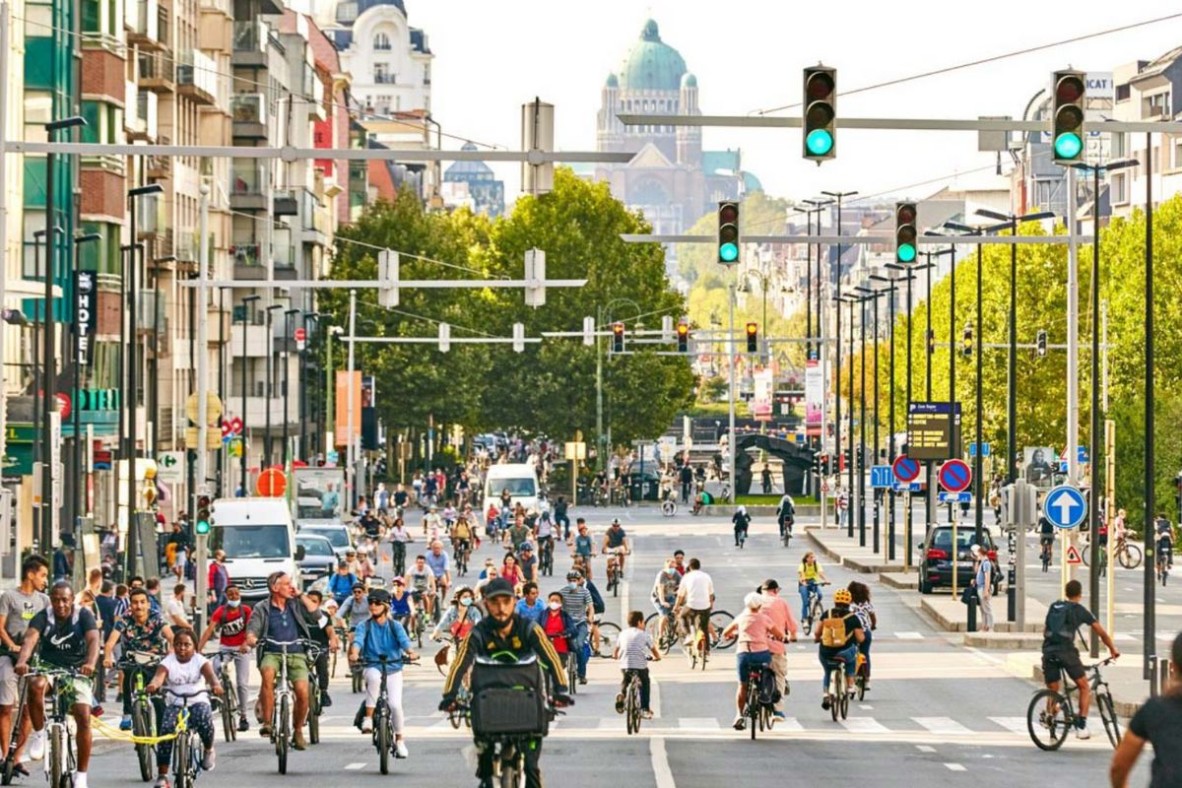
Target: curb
{"points": [[902, 580], [852, 564]]}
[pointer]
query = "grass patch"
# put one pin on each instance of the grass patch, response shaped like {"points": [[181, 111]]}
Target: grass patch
{"points": [[773, 500]]}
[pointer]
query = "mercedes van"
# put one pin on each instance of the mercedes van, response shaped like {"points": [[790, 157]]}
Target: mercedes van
{"points": [[258, 536]]}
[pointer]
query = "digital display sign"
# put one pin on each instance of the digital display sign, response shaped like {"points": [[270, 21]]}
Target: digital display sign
{"points": [[933, 431]]}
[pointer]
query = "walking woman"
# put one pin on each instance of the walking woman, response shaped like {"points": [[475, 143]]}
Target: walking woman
{"points": [[1159, 720]]}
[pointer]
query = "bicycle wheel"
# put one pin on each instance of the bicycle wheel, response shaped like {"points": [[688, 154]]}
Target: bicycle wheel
{"points": [[511, 771], [56, 754], [1129, 556], [228, 728], [835, 680], [313, 711], [382, 742], [609, 635], [1108, 715], [631, 713], [282, 734], [1048, 730], [719, 621], [844, 696], [356, 677], [141, 716], [332, 662], [572, 673], [180, 762]]}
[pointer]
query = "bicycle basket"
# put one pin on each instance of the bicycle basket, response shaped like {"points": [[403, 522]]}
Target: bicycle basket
{"points": [[508, 698]]}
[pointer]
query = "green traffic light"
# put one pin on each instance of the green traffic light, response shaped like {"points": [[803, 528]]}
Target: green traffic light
{"points": [[1068, 145], [728, 252], [819, 142], [906, 253], [202, 527]]}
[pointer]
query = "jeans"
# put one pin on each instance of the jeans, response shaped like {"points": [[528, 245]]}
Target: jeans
{"points": [[564, 521], [805, 589], [200, 720], [241, 677], [848, 655], [582, 630]]}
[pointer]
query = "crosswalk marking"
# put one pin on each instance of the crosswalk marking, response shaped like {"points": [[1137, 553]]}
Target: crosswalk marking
{"points": [[942, 725], [956, 767], [788, 725], [698, 722], [908, 636], [1012, 724], [925, 748], [354, 766], [864, 725]]}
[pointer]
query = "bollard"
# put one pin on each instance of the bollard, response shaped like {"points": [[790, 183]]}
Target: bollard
{"points": [[1163, 675], [1153, 675]]}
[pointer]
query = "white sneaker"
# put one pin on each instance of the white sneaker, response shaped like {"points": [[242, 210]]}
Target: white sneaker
{"points": [[79, 779], [367, 725], [400, 750], [37, 745], [1083, 733]]}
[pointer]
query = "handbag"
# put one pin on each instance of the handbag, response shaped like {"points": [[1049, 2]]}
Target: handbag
{"points": [[969, 595]]}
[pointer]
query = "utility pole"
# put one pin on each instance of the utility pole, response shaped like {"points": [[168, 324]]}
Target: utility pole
{"points": [[202, 589], [350, 419]]}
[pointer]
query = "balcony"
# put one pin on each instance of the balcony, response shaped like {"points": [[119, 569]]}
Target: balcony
{"points": [[256, 407], [143, 25], [314, 89], [248, 262], [256, 337], [246, 185], [159, 167], [286, 203], [156, 72], [146, 114], [314, 219], [250, 43], [249, 111], [197, 78], [149, 310]]}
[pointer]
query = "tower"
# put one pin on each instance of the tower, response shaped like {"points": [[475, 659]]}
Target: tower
{"points": [[689, 138]]}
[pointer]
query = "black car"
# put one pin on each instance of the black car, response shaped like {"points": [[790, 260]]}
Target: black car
{"points": [[643, 486], [935, 552], [319, 559]]}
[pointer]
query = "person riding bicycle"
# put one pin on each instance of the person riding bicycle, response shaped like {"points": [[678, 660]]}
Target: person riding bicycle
{"points": [[18, 606], [809, 576], [1046, 533], [381, 636], [786, 514], [561, 518], [461, 535], [354, 610], [229, 623], [695, 596], [615, 541], [186, 672], [839, 633], [399, 537], [139, 630], [756, 631], [583, 545], [342, 582], [1163, 536], [420, 581], [633, 651], [502, 632], [545, 533], [741, 521], [664, 595], [402, 602], [439, 562], [324, 635], [1059, 653], [580, 606], [460, 617], [66, 636]]}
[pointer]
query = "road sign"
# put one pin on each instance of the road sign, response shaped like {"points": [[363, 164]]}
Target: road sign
{"points": [[955, 497], [973, 449], [906, 469], [170, 466], [913, 487], [301, 336], [881, 476], [955, 476], [933, 430], [272, 483], [1065, 506], [1081, 454], [213, 408], [1073, 556]]}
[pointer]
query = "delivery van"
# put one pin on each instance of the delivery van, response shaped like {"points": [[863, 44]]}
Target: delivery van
{"points": [[258, 536], [518, 478]]}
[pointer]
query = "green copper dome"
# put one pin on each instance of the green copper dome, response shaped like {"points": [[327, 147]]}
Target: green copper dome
{"points": [[652, 64]]}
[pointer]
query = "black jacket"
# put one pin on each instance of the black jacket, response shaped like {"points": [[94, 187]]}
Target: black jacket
{"points": [[524, 638]]}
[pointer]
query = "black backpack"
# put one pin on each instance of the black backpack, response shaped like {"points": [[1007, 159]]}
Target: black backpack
{"points": [[1057, 630]]}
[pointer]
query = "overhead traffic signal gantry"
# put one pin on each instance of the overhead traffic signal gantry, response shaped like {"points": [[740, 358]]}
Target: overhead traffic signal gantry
{"points": [[617, 337], [905, 233], [820, 111], [683, 337], [728, 232], [1068, 117], [752, 337]]}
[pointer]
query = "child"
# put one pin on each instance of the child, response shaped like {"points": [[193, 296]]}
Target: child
{"points": [[632, 651], [182, 671]]}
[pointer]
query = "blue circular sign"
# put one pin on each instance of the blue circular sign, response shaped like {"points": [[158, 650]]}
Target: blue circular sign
{"points": [[1065, 506], [906, 469], [955, 476]]}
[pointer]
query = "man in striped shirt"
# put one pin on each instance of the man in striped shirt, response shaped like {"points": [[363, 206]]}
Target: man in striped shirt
{"points": [[632, 650], [576, 602]]}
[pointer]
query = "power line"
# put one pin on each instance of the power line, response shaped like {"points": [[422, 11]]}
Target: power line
{"points": [[986, 60]]}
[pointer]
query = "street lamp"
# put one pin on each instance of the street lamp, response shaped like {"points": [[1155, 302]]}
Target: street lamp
{"points": [[872, 295], [303, 406], [246, 304], [892, 282], [838, 197], [287, 318], [850, 301], [603, 440], [816, 206], [270, 385], [154, 390]]}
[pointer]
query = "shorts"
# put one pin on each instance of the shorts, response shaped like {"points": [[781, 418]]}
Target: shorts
{"points": [[749, 659], [1055, 663], [297, 665], [8, 681], [80, 688], [1046, 539]]}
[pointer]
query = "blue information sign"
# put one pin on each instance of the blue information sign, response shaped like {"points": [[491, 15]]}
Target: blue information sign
{"points": [[881, 476]]}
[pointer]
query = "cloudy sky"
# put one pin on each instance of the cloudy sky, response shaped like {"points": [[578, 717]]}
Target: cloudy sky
{"points": [[748, 54]]}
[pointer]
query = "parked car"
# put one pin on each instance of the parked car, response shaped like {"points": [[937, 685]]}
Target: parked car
{"points": [[319, 559], [644, 486], [935, 569], [338, 535]]}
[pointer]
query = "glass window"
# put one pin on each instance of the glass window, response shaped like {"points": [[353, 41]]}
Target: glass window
{"points": [[381, 42]]}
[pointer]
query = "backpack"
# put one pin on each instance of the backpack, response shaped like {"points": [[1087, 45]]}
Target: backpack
{"points": [[996, 575], [833, 631], [1057, 630]]}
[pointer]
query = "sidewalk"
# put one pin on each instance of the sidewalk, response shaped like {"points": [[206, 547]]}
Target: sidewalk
{"points": [[834, 543]]}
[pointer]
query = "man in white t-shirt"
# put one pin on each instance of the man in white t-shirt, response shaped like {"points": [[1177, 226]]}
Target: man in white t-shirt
{"points": [[695, 597], [174, 608]]}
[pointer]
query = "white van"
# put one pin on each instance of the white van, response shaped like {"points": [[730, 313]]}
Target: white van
{"points": [[259, 538], [521, 481]]}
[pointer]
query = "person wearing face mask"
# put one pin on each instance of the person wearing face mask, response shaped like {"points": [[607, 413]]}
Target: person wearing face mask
{"points": [[664, 595], [558, 626], [229, 623], [460, 617]]}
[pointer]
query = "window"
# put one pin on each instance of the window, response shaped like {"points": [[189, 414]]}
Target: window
{"points": [[382, 75], [1158, 104], [1176, 153], [347, 12], [381, 42], [1122, 92], [1120, 187]]}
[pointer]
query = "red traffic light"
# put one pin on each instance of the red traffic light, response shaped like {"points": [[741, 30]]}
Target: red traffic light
{"points": [[1069, 89], [906, 213], [728, 213], [819, 86]]}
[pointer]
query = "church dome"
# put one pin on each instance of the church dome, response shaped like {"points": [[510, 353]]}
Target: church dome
{"points": [[612, 81], [652, 64]]}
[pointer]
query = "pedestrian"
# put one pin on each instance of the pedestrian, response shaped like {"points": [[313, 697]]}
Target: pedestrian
{"points": [[765, 479], [1159, 720], [218, 580], [983, 582]]}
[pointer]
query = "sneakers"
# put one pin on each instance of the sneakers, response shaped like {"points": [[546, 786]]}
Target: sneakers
{"points": [[162, 783], [37, 745], [778, 716], [400, 750], [367, 725], [243, 725], [265, 731], [79, 779], [325, 701], [826, 703], [582, 679], [1082, 732], [298, 742], [740, 723], [96, 710], [647, 714], [125, 723], [208, 760], [620, 703]]}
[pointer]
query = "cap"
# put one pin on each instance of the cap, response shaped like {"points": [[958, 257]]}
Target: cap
{"points": [[976, 549], [498, 586], [770, 585]]}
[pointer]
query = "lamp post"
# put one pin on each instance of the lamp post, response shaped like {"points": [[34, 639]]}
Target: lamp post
{"points": [[247, 301], [40, 446], [601, 437], [838, 197], [266, 463], [872, 295], [154, 390], [305, 444], [892, 282], [288, 316], [815, 206]]}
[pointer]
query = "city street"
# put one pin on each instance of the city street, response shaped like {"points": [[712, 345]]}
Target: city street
{"points": [[937, 711]]}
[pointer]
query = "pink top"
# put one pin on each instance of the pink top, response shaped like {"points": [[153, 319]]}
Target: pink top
{"points": [[755, 632], [780, 613]]}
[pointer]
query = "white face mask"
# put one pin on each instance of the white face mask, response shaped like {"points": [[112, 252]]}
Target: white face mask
{"points": [[555, 605], [233, 602], [466, 601]]}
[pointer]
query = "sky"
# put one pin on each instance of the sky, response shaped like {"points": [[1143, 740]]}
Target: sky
{"points": [[491, 57]]}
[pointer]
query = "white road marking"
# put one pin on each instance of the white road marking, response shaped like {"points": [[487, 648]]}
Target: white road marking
{"points": [[790, 724], [864, 725], [925, 748], [662, 773], [956, 767], [941, 725], [1014, 724], [865, 707], [654, 698], [909, 636], [354, 766], [699, 722]]}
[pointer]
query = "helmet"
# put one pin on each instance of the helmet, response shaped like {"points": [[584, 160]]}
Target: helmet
{"points": [[615, 521], [521, 548], [574, 574], [379, 595], [842, 596]]}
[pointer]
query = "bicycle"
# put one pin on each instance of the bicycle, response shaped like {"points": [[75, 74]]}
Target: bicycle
{"points": [[282, 712], [7, 772], [143, 711], [383, 725], [698, 649], [667, 636], [462, 552], [460, 714], [1052, 713], [719, 621], [398, 557], [860, 677], [229, 701], [838, 694], [60, 752], [633, 708], [758, 713], [343, 639], [187, 746], [615, 572], [603, 636], [546, 560], [813, 607], [786, 531], [1164, 557]]}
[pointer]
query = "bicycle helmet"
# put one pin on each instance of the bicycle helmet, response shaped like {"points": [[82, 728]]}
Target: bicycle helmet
{"points": [[521, 548], [574, 574], [842, 596]]}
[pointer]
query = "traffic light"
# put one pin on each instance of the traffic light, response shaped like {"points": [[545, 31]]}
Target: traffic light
{"points": [[905, 216], [617, 337], [752, 337], [968, 339], [931, 341], [825, 465], [388, 270], [728, 232], [1042, 343], [204, 515], [683, 337], [1068, 117], [820, 110]]}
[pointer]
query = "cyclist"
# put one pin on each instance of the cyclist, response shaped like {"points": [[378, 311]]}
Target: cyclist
{"points": [[1059, 653], [1164, 538], [381, 636], [756, 631], [282, 617], [503, 632], [402, 602], [528, 562], [1046, 536], [342, 582], [421, 582], [519, 532], [139, 630], [786, 514], [185, 671], [461, 536], [229, 622], [578, 604], [545, 533], [324, 635], [18, 606], [741, 522], [354, 610], [432, 524], [583, 545], [1156, 722], [633, 651], [560, 517], [616, 541], [808, 576], [439, 563], [695, 599], [558, 626], [780, 612], [460, 617], [864, 608], [400, 537], [664, 595], [65, 636], [839, 634], [511, 571]]}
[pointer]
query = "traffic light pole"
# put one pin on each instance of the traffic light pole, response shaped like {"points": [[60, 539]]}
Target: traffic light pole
{"points": [[202, 589]]}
